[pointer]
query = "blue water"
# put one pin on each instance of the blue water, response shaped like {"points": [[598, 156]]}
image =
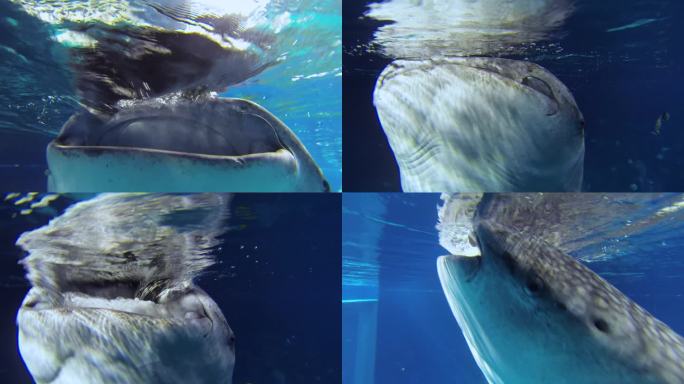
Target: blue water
{"points": [[622, 60], [397, 326], [303, 90], [277, 248]]}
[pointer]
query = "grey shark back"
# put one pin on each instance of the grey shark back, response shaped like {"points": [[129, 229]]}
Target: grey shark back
{"points": [[533, 314]]}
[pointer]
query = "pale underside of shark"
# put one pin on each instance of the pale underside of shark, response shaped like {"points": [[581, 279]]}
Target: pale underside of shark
{"points": [[531, 313], [181, 145], [113, 298], [480, 124]]}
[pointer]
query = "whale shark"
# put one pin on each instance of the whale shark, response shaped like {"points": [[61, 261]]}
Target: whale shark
{"points": [[531, 313], [178, 144], [480, 124], [150, 118], [113, 298]]}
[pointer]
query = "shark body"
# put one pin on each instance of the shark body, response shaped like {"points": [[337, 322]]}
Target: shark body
{"points": [[480, 124], [154, 145], [113, 298], [531, 313]]}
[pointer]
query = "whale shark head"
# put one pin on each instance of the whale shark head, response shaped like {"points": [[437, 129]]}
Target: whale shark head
{"points": [[181, 145], [532, 314], [480, 124], [113, 298], [122, 332]]}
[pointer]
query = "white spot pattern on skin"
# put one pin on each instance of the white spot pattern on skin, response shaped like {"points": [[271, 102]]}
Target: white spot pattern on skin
{"points": [[593, 315], [634, 335]]}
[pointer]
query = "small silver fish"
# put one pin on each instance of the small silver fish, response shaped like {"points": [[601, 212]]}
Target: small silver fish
{"points": [[659, 123]]}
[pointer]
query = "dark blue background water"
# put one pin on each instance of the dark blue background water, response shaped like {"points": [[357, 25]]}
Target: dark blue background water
{"points": [[278, 284], [622, 81], [418, 339], [26, 114]]}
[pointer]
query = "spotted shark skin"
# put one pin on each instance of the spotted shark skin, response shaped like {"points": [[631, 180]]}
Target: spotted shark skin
{"points": [[533, 314]]}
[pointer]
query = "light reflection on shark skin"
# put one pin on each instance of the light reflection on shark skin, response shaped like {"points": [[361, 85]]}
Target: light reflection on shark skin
{"points": [[531, 313], [480, 124], [113, 298]]}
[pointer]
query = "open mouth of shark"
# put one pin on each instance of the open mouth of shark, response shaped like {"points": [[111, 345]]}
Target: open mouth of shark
{"points": [[177, 130], [155, 132], [168, 143], [154, 300], [510, 71]]}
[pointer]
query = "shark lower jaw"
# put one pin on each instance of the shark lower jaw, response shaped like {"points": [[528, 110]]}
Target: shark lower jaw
{"points": [[97, 169], [457, 290], [94, 151]]}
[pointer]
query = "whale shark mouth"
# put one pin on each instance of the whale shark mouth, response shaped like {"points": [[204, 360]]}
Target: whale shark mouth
{"points": [[58, 334], [122, 296], [183, 306], [208, 129], [179, 144], [204, 139], [523, 75]]}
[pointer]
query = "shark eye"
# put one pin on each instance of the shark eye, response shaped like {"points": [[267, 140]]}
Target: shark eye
{"points": [[601, 325], [31, 303], [538, 85], [534, 285], [542, 87]]}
